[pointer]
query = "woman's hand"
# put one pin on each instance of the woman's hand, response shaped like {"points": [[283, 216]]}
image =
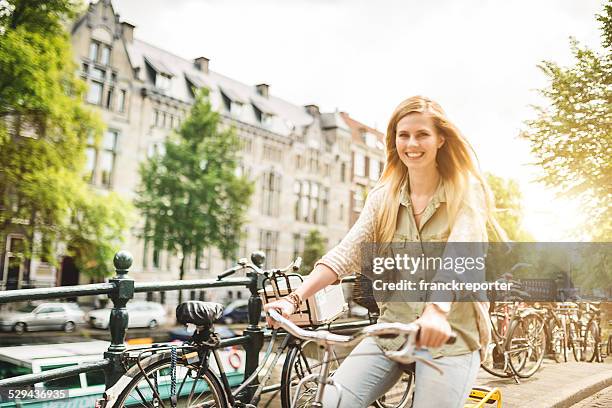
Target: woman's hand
{"points": [[283, 306], [435, 330]]}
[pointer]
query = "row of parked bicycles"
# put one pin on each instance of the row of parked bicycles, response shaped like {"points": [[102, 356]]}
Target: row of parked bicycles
{"points": [[525, 333]]}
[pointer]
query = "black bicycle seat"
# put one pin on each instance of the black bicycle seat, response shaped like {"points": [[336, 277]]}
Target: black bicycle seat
{"points": [[198, 313]]}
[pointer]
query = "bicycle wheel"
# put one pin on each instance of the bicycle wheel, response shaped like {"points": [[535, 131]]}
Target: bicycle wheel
{"points": [[195, 386], [301, 361], [306, 359], [557, 341], [575, 340], [496, 362], [526, 345], [591, 342]]}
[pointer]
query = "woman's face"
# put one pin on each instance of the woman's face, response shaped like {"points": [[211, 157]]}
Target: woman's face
{"points": [[417, 141]]}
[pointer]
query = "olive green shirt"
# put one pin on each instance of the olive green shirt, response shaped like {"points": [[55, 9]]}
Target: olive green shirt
{"points": [[434, 228], [345, 258]]}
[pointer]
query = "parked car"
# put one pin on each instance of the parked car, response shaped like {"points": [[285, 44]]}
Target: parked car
{"points": [[238, 312], [140, 314], [46, 316]]}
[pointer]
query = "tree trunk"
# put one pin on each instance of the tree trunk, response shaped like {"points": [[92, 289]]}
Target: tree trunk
{"points": [[181, 277]]}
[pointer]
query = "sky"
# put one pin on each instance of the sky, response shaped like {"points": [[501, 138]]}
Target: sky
{"points": [[477, 58]]}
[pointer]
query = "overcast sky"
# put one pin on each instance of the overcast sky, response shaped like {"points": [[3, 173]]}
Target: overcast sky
{"points": [[477, 58]]}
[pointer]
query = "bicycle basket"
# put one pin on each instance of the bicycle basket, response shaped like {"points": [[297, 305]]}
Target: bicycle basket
{"points": [[323, 307]]}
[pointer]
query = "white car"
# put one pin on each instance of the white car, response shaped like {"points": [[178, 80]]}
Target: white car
{"points": [[140, 314], [46, 316]]}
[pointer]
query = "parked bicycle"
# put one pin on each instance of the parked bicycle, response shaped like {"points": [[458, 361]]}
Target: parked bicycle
{"points": [[518, 338]]}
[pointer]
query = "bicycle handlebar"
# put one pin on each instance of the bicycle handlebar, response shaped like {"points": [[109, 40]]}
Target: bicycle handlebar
{"points": [[326, 337], [244, 264]]}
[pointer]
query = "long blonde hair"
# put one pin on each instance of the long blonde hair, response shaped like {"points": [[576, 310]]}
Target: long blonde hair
{"points": [[456, 161]]}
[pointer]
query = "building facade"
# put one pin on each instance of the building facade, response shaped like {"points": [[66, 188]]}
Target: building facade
{"points": [[302, 161]]}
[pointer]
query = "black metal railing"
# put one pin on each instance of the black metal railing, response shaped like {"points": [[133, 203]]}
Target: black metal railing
{"points": [[120, 289]]}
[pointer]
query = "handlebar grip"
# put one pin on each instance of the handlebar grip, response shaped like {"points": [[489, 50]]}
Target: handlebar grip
{"points": [[298, 263], [229, 272], [451, 340]]}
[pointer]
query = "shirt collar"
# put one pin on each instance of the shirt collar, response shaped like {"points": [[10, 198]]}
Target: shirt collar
{"points": [[438, 197]]}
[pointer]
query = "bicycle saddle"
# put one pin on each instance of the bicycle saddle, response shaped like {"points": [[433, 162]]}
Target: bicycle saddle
{"points": [[198, 313]]}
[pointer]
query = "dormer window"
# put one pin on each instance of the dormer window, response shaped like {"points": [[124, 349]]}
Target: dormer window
{"points": [[159, 73], [263, 114], [162, 81], [232, 102], [236, 108]]}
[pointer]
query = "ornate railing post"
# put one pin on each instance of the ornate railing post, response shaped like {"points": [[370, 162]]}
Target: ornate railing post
{"points": [[124, 291], [253, 330]]}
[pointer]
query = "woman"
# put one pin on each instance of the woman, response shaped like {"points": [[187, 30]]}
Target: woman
{"points": [[430, 190]]}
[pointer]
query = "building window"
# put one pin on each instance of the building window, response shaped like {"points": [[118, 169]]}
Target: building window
{"points": [[311, 203], [98, 74], [107, 158], [105, 55], [268, 242], [298, 243], [94, 95], [343, 172], [162, 81], [93, 51], [236, 108], [227, 102], [374, 169], [271, 193], [90, 164], [359, 165], [122, 100], [109, 99], [358, 198], [272, 153]]}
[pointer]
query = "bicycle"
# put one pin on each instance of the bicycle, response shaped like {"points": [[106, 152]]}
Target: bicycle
{"points": [[183, 375], [589, 318], [518, 337], [405, 355]]}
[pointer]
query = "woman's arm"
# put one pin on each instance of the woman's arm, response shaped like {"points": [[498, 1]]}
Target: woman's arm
{"points": [[321, 276]]}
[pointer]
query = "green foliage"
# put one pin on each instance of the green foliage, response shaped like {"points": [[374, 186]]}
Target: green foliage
{"points": [[314, 249], [508, 210], [191, 197], [95, 232], [571, 137], [44, 128]]}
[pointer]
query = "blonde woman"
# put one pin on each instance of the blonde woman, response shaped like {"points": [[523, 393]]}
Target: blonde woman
{"points": [[430, 190]]}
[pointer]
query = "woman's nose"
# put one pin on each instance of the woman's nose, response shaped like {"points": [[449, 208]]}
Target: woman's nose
{"points": [[412, 141]]}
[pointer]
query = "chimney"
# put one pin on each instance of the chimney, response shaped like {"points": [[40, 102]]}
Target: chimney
{"points": [[313, 110], [127, 31], [263, 90], [201, 63]]}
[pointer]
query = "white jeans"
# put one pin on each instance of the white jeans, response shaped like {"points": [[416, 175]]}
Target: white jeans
{"points": [[366, 377]]}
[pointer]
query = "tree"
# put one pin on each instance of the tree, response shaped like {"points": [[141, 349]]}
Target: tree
{"points": [[191, 197], [44, 128], [508, 211], [571, 137], [314, 249]]}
